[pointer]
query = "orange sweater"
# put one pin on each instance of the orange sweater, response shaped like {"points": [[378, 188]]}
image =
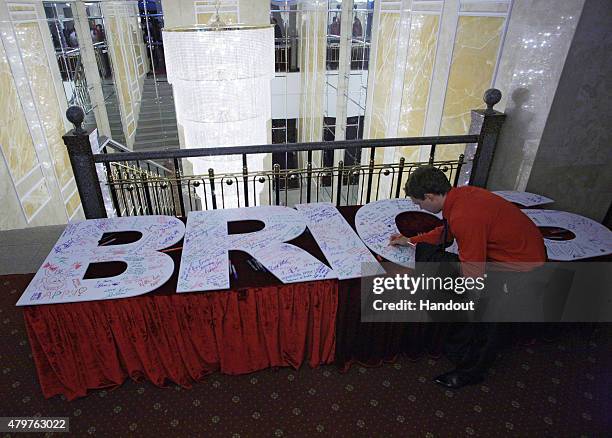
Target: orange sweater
{"points": [[488, 229]]}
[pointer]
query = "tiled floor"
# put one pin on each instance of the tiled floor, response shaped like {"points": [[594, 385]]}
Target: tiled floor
{"points": [[23, 251]]}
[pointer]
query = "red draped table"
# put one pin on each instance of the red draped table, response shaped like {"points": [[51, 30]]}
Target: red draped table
{"points": [[180, 337], [164, 336]]}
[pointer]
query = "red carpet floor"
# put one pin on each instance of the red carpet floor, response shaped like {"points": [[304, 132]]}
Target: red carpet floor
{"points": [[557, 389]]}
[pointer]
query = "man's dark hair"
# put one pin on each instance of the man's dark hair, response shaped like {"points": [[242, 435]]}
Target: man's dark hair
{"points": [[427, 179]]}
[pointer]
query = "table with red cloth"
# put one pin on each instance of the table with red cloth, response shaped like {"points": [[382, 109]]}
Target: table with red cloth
{"points": [[165, 336], [259, 322]]}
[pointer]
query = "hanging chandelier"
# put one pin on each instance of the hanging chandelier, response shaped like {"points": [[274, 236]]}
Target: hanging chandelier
{"points": [[221, 77]]}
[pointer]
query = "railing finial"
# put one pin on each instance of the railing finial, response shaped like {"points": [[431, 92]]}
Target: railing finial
{"points": [[487, 124], [76, 115], [491, 97]]}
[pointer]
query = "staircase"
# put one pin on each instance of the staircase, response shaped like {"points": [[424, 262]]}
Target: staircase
{"points": [[114, 120], [157, 120], [112, 110]]}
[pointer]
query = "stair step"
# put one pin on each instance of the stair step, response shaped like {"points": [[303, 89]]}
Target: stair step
{"points": [[152, 98], [168, 119], [154, 107], [159, 94], [144, 138], [151, 105], [155, 145], [149, 113], [160, 90], [165, 92], [157, 117], [165, 130]]}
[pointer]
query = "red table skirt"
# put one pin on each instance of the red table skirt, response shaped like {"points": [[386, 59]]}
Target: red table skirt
{"points": [[181, 337]]}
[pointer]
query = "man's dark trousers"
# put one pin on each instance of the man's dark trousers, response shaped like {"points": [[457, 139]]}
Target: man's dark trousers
{"points": [[471, 346]]}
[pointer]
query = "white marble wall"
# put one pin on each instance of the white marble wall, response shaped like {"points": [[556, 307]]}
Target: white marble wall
{"points": [[37, 185], [574, 158], [35, 172], [539, 35]]}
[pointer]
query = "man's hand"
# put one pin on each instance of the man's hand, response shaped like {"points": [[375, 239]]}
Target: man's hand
{"points": [[399, 240]]}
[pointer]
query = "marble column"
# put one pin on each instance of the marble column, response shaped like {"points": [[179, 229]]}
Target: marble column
{"points": [[417, 80], [573, 160], [90, 66], [537, 43], [313, 43]]}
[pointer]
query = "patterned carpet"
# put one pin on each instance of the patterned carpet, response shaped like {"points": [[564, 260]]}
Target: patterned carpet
{"points": [[560, 389]]}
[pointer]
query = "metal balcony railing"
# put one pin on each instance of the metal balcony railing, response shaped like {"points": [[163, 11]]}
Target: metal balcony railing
{"points": [[137, 184]]}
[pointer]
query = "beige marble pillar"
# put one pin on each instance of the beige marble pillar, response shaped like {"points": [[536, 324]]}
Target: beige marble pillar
{"points": [[383, 66], [344, 71], [312, 49], [417, 80], [537, 42], [573, 161]]}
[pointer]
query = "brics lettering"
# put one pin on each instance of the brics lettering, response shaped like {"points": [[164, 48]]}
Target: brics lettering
{"points": [[205, 255]]}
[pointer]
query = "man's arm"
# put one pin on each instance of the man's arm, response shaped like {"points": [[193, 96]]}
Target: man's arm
{"points": [[434, 236]]}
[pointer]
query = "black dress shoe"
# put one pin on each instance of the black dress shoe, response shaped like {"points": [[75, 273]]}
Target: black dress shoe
{"points": [[457, 379]]}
